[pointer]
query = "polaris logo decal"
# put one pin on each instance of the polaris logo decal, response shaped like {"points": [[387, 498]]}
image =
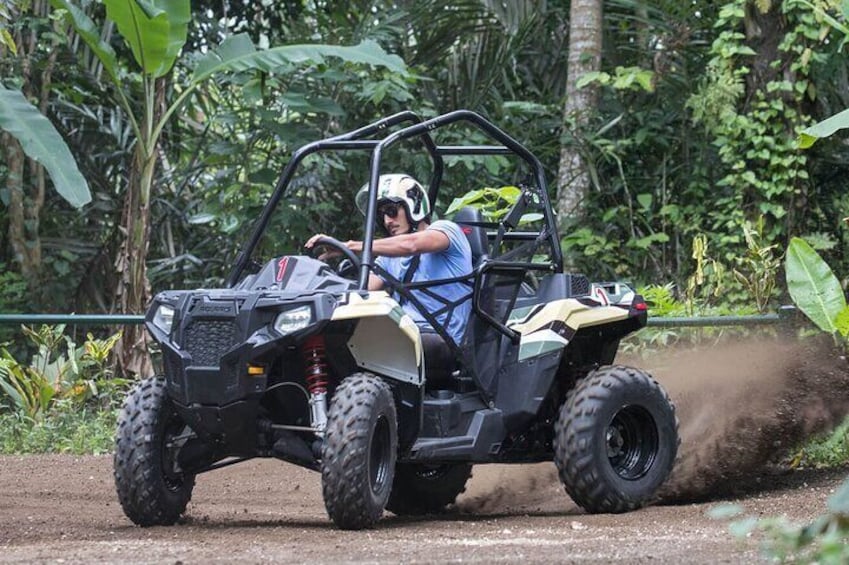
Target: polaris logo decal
{"points": [[213, 309]]}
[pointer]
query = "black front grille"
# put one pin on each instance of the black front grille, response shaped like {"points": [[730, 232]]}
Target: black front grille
{"points": [[207, 340]]}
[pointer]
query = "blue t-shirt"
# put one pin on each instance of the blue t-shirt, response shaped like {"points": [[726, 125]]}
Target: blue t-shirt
{"points": [[453, 261]]}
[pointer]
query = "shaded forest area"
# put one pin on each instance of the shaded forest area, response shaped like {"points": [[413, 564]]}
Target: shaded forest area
{"points": [[678, 124]]}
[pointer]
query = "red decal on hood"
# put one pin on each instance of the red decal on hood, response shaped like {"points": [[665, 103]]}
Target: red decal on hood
{"points": [[281, 268]]}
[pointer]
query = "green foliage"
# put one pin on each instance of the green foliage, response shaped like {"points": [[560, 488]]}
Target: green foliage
{"points": [[828, 450], [825, 128], [763, 171], [654, 174], [814, 288], [759, 266], [238, 54], [661, 300], [707, 282], [13, 289], [623, 78], [6, 39], [76, 431], [155, 30], [40, 141], [839, 121], [494, 203], [59, 371], [821, 541]]}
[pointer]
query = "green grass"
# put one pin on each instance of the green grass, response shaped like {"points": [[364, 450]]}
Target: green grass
{"points": [[828, 450], [78, 432]]}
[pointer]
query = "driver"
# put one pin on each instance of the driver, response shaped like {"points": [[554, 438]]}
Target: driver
{"points": [[403, 213]]}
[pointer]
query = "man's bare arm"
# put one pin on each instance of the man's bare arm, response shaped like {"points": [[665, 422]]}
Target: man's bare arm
{"points": [[405, 245]]}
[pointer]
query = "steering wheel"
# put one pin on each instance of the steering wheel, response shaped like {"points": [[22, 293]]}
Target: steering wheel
{"points": [[350, 263]]}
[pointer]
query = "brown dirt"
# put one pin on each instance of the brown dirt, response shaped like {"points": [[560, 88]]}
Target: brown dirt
{"points": [[63, 509], [740, 407]]}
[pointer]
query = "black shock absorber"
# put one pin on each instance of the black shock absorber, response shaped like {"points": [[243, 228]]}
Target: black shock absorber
{"points": [[315, 373]]}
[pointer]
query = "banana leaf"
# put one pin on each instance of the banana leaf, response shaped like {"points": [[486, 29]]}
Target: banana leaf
{"points": [[813, 286], [237, 53], [41, 142], [155, 30]]}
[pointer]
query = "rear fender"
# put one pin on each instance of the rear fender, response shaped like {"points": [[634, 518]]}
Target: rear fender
{"points": [[550, 327]]}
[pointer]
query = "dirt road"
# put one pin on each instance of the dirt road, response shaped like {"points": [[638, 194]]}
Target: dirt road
{"points": [[739, 407], [62, 509]]}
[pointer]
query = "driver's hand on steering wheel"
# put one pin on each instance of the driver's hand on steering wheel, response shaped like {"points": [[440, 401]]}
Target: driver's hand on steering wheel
{"points": [[329, 252]]}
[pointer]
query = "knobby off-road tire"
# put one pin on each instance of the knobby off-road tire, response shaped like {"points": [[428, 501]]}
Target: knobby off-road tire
{"points": [[359, 452], [151, 491], [426, 489], [615, 440]]}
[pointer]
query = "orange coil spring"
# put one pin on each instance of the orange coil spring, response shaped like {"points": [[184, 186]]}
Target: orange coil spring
{"points": [[315, 367]]}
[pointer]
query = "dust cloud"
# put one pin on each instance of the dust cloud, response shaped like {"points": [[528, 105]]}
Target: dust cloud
{"points": [[742, 407], [511, 488], [745, 405]]}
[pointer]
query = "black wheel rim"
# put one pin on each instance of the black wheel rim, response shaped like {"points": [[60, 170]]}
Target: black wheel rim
{"points": [[632, 442], [379, 455]]}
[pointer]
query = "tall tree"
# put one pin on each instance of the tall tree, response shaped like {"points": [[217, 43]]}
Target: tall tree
{"points": [[28, 141], [585, 44]]}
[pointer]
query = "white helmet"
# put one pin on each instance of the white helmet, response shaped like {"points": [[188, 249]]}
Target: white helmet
{"points": [[398, 188]]}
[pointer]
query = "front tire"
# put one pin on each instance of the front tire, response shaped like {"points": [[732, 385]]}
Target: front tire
{"points": [[615, 440], [359, 452], [426, 489], [153, 491]]}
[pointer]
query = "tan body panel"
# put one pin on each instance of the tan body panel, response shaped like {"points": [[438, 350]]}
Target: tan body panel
{"points": [[537, 337], [386, 341]]}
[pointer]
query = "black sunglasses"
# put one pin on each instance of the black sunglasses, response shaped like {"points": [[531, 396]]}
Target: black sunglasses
{"points": [[389, 209]]}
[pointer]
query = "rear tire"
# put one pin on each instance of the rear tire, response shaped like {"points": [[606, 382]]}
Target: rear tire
{"points": [[426, 489], [615, 440], [359, 452], [151, 488]]}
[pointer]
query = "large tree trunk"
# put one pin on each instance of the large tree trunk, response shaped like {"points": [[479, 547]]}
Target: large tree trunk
{"points": [[585, 41], [133, 290]]}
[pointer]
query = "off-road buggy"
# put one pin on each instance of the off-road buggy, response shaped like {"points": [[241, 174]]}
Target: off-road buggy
{"points": [[298, 361]]}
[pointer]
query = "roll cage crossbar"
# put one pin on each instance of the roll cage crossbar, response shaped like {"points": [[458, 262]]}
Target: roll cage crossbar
{"points": [[367, 139]]}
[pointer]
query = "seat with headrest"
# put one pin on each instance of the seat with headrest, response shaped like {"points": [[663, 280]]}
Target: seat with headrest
{"points": [[470, 219]]}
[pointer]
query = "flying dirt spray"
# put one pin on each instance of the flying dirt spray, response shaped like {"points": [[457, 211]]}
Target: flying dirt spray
{"points": [[741, 407]]}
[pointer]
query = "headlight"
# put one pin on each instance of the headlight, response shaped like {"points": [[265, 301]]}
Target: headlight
{"points": [[164, 318], [293, 320]]}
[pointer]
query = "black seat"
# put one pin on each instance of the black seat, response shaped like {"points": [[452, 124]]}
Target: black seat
{"points": [[470, 221]]}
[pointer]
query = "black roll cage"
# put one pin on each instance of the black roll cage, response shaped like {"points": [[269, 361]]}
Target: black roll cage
{"points": [[362, 140]]}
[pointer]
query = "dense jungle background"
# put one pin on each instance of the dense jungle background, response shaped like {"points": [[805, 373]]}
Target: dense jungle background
{"points": [[668, 131]]}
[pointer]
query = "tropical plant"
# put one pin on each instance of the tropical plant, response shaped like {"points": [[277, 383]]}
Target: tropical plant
{"points": [[823, 540], [30, 391], [759, 266], [59, 371], [708, 280], [40, 141], [78, 431], [156, 32], [494, 203], [815, 289]]}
